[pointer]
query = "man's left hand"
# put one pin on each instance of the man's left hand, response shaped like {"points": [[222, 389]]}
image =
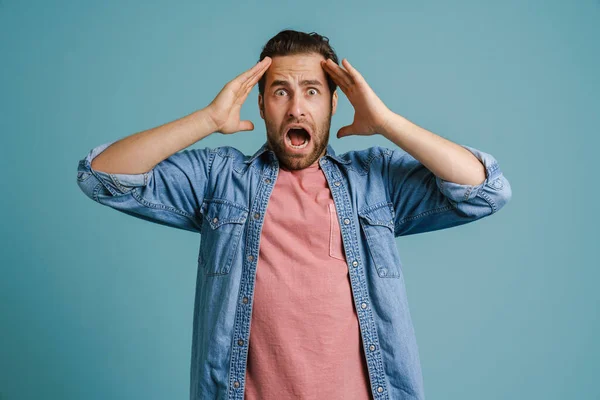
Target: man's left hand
{"points": [[371, 115]]}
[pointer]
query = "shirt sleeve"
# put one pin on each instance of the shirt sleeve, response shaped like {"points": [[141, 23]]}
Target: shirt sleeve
{"points": [[424, 202], [169, 194]]}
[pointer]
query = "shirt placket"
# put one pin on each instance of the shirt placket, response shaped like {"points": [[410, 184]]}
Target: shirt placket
{"points": [[362, 302], [241, 330]]}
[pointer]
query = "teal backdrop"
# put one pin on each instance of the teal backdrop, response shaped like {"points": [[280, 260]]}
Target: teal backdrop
{"points": [[96, 304]]}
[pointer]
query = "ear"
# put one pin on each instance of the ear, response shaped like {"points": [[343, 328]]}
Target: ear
{"points": [[261, 106], [334, 101]]}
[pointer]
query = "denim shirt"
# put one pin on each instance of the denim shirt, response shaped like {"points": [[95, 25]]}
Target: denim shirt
{"points": [[222, 194]]}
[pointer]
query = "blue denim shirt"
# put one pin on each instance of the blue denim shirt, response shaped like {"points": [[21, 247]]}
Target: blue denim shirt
{"points": [[222, 194]]}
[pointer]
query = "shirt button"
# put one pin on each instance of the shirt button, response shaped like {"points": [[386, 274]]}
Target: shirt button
{"points": [[241, 342], [355, 263], [245, 300], [346, 221], [250, 257], [324, 160], [267, 180], [215, 220], [380, 389], [372, 347], [236, 384], [364, 305], [256, 215], [337, 183]]}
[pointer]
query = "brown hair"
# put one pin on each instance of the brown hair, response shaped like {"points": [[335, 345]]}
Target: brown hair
{"points": [[289, 42]]}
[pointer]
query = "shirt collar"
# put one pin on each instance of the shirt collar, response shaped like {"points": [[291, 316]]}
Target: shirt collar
{"points": [[328, 153]]}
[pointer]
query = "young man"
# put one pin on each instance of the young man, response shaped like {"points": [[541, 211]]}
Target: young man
{"points": [[296, 241]]}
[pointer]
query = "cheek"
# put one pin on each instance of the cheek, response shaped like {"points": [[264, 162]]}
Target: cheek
{"points": [[323, 115], [273, 108]]}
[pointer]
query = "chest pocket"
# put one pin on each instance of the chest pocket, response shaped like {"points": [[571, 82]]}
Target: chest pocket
{"points": [[336, 246], [378, 225], [220, 235]]}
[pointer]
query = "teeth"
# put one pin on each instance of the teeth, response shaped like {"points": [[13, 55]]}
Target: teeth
{"points": [[289, 141]]}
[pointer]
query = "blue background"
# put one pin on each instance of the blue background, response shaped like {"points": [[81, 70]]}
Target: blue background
{"points": [[95, 304]]}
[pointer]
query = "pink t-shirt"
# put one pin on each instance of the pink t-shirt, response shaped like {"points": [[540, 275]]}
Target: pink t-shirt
{"points": [[304, 333]]}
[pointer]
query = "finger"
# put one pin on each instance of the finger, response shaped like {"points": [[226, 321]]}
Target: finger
{"points": [[353, 72], [255, 77], [330, 67], [264, 65], [341, 71], [345, 131], [243, 78], [242, 89], [246, 126], [248, 85], [347, 74], [250, 72], [334, 77], [242, 96], [340, 76]]}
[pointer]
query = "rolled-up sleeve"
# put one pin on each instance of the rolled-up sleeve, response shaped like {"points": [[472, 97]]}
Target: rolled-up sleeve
{"points": [[424, 202], [169, 194]]}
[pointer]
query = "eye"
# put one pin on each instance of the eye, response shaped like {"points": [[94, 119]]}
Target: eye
{"points": [[278, 90], [316, 91]]}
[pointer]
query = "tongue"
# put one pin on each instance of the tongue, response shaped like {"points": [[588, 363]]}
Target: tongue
{"points": [[297, 136]]}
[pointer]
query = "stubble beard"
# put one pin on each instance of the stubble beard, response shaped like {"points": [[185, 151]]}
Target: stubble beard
{"points": [[291, 161]]}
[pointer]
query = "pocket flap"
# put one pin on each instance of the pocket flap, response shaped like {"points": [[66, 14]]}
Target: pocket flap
{"points": [[380, 214], [219, 212]]}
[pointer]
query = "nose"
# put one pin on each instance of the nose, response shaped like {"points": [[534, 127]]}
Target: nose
{"points": [[296, 109]]}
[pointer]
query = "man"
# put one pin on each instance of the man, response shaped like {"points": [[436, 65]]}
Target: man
{"points": [[296, 241]]}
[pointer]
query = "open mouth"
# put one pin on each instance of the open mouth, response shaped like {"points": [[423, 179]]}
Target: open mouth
{"points": [[297, 138]]}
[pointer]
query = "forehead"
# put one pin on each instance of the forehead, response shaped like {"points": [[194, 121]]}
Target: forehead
{"points": [[292, 67]]}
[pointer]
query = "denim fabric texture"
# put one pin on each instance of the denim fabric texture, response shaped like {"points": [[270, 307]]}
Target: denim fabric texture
{"points": [[222, 194]]}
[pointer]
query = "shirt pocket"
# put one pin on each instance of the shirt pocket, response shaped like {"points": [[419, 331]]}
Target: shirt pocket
{"points": [[377, 223], [336, 246], [222, 228]]}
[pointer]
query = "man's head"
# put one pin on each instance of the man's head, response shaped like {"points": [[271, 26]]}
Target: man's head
{"points": [[295, 90]]}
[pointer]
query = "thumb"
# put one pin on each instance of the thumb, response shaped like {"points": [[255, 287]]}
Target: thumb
{"points": [[246, 126], [345, 131]]}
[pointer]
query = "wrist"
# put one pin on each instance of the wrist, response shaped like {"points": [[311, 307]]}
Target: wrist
{"points": [[205, 121], [389, 124]]}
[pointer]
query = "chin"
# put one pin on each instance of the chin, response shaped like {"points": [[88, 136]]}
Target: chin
{"points": [[293, 160]]}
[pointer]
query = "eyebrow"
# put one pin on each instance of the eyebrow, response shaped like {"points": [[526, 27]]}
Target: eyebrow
{"points": [[306, 82]]}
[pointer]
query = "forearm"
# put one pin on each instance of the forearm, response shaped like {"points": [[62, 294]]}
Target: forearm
{"points": [[444, 158], [140, 152]]}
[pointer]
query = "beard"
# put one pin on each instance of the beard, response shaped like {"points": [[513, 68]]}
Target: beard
{"points": [[294, 161]]}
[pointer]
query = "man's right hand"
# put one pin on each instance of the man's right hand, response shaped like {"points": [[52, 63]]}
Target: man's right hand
{"points": [[224, 110]]}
